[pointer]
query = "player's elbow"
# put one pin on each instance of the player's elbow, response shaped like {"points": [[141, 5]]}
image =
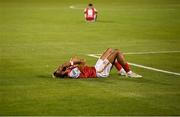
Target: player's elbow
{"points": [[109, 49]]}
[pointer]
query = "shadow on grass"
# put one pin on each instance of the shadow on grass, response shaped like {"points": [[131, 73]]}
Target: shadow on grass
{"points": [[101, 80], [44, 76], [108, 79], [106, 21], [100, 22], [145, 81]]}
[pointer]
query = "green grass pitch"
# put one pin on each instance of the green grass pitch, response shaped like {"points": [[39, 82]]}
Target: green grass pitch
{"points": [[37, 35]]}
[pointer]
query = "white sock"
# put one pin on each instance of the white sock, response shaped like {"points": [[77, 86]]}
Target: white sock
{"points": [[129, 72], [122, 72]]}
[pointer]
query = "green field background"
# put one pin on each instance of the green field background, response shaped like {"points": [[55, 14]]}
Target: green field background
{"points": [[38, 35]]}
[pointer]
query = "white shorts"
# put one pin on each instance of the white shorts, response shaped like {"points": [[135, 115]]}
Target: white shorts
{"points": [[103, 68]]}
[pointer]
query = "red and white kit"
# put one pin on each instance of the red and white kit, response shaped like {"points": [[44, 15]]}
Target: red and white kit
{"points": [[90, 14], [101, 69]]}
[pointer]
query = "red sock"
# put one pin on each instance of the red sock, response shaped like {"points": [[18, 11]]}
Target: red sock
{"points": [[126, 67], [118, 66]]}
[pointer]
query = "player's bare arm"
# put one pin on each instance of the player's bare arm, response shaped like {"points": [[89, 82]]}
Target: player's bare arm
{"points": [[77, 67], [63, 67], [77, 61]]}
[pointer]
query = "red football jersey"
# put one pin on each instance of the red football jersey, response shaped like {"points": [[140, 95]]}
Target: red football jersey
{"points": [[90, 13], [88, 72], [83, 72]]}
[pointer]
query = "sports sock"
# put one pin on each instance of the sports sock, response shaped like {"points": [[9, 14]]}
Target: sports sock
{"points": [[129, 72], [118, 66], [126, 67]]}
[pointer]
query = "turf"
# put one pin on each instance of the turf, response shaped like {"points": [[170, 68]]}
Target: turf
{"points": [[37, 35]]}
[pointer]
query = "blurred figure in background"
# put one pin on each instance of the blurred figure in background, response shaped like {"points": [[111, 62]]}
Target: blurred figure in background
{"points": [[90, 13]]}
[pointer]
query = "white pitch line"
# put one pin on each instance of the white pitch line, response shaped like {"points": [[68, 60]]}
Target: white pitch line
{"points": [[93, 55], [138, 53], [142, 66], [158, 52], [154, 69], [117, 9], [73, 7]]}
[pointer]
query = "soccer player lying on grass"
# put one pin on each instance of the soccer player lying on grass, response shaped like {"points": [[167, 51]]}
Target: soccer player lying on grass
{"points": [[77, 68], [90, 13]]}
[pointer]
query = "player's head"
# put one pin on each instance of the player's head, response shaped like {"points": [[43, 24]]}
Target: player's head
{"points": [[58, 74], [90, 4]]}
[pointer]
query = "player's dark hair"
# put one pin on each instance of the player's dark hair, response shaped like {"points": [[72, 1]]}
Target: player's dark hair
{"points": [[56, 74], [90, 4]]}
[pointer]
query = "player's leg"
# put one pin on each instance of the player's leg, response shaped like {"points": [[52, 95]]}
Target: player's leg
{"points": [[106, 53], [118, 58], [119, 68], [102, 65], [117, 55], [108, 58], [85, 17], [95, 17]]}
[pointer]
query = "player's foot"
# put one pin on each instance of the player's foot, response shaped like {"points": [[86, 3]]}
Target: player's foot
{"points": [[122, 72], [133, 75]]}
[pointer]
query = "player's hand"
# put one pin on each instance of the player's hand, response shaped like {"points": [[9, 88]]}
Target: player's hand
{"points": [[76, 60]]}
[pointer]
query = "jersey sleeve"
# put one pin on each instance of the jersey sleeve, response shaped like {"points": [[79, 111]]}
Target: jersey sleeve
{"points": [[74, 73]]}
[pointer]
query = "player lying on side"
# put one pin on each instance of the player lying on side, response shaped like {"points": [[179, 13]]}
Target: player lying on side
{"points": [[90, 13], [77, 68]]}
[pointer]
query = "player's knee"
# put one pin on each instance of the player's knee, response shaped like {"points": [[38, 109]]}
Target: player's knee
{"points": [[109, 49], [118, 51]]}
